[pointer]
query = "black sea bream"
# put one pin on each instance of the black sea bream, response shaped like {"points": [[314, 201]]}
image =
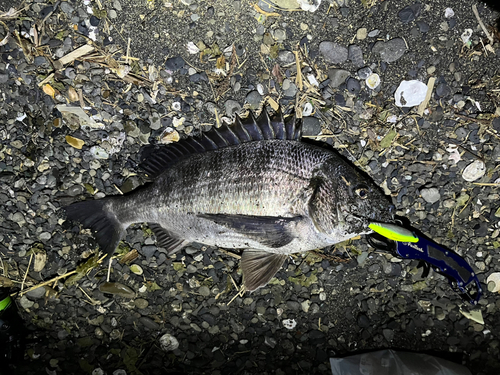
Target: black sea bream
{"points": [[252, 185]]}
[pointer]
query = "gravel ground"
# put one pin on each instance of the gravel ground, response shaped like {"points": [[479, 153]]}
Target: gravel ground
{"points": [[73, 126]]}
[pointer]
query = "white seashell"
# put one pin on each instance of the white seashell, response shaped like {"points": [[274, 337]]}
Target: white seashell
{"points": [[168, 342], [373, 81], [495, 279], [289, 323], [474, 171], [410, 93], [308, 109]]}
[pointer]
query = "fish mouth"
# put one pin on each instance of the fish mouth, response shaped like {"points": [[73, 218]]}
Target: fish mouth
{"points": [[362, 222]]}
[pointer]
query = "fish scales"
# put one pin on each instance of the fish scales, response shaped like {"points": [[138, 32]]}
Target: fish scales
{"points": [[269, 178], [271, 197]]}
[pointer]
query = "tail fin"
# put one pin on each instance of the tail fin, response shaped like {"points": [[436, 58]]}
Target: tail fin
{"points": [[94, 215]]}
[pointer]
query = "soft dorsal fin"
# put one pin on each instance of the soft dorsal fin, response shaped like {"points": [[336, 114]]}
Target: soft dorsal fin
{"points": [[157, 158]]}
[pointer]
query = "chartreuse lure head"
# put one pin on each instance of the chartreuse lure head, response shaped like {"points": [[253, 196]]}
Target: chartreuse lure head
{"points": [[5, 303], [393, 232]]}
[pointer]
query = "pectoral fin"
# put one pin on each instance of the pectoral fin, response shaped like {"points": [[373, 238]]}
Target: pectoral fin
{"points": [[165, 240], [259, 267], [270, 231]]}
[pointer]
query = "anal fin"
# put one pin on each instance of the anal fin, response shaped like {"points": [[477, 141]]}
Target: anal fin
{"points": [[165, 240], [259, 267]]}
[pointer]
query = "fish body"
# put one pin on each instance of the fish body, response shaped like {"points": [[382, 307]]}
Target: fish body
{"points": [[254, 186]]}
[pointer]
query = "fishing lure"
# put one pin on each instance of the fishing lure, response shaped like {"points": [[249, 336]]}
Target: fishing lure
{"points": [[408, 245]]}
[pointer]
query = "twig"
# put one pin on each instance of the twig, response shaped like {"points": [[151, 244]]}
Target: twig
{"points": [[47, 282], [109, 269], [476, 13], [26, 273], [3, 267], [73, 55], [46, 80], [430, 87], [298, 80], [462, 210], [486, 184], [478, 120], [92, 302], [230, 253], [240, 293], [117, 188], [128, 51]]}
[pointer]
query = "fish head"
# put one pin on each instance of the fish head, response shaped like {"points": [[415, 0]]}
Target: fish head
{"points": [[345, 201]]}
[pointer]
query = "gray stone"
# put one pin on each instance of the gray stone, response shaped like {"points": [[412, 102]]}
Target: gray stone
{"points": [[36, 293], [353, 86], [148, 251], [67, 8], [391, 50], [18, 217], [290, 91], [286, 57], [388, 334], [332, 52], [44, 236], [311, 126], [430, 195], [253, 99], [149, 323], [337, 77], [141, 303], [364, 73], [232, 107], [279, 35], [204, 291], [26, 303], [355, 54]]}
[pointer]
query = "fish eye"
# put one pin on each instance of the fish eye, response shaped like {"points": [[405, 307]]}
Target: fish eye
{"points": [[361, 191]]}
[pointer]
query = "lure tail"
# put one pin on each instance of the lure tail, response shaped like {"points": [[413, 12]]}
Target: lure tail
{"points": [[95, 215]]}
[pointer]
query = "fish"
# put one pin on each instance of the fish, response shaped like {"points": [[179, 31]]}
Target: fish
{"points": [[253, 185]]}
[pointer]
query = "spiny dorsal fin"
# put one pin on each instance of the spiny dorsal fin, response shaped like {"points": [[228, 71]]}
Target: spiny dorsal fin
{"points": [[157, 158]]}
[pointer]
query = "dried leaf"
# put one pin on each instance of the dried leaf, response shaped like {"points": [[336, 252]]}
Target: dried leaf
{"points": [[170, 137], [90, 189], [75, 142], [152, 286], [82, 270], [40, 260], [129, 257], [277, 73], [387, 140], [49, 90], [135, 268], [122, 71], [192, 48], [72, 94], [6, 282], [221, 63]]}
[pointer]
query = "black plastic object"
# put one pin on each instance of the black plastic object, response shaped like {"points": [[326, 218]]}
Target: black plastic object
{"points": [[12, 331]]}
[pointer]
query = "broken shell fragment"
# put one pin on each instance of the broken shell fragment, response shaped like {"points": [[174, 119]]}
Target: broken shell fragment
{"points": [[373, 81], [135, 268], [168, 342], [474, 171], [493, 282]]}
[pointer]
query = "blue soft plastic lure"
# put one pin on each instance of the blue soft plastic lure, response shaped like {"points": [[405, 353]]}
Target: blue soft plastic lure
{"points": [[444, 261]]}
